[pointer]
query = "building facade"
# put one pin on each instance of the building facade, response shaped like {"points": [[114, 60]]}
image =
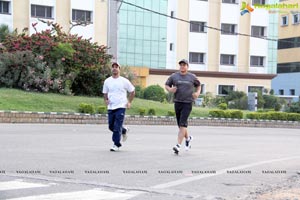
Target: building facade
{"points": [[287, 84], [20, 14]]}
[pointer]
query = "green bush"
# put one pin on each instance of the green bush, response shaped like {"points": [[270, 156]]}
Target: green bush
{"points": [[86, 108], [151, 111], [274, 116], [142, 111], [139, 92], [171, 113], [101, 109], [222, 106], [237, 114], [294, 107], [155, 93], [272, 102]]}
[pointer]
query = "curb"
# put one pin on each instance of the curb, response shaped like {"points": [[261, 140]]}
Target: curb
{"points": [[81, 118]]}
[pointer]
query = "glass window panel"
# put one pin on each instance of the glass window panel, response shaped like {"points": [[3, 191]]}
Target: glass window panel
{"points": [[146, 60], [130, 59], [138, 46], [163, 21], [122, 45], [32, 10], [147, 4], [139, 18], [155, 34], [154, 48], [139, 32], [123, 17], [163, 6], [130, 7], [162, 48], [131, 17], [155, 5], [155, 20], [147, 33], [123, 31], [147, 47], [163, 34], [147, 18], [130, 46], [139, 59], [131, 31]]}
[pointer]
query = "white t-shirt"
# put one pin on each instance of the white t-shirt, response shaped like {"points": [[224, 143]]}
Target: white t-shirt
{"points": [[116, 90]]}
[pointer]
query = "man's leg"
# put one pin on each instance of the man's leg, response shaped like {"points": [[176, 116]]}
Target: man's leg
{"points": [[111, 120], [118, 123]]}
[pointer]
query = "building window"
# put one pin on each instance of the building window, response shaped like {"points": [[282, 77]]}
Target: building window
{"points": [[256, 61], [196, 58], [228, 29], [198, 27], [255, 88], [171, 46], [284, 20], [4, 7], [41, 11], [288, 67], [260, 2], [281, 92], [227, 59], [258, 31], [292, 92], [228, 1], [289, 43], [172, 14], [296, 18], [225, 89], [81, 15]]}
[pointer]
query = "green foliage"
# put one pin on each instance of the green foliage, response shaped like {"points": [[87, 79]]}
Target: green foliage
{"points": [[23, 70], [4, 32], [86, 108], [222, 106], [101, 109], [207, 99], [171, 113], [155, 93], [237, 114], [151, 111], [142, 111], [272, 102], [82, 64], [139, 92], [274, 116], [294, 107]]}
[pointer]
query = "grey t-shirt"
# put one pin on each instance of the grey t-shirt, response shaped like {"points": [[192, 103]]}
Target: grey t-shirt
{"points": [[185, 86]]}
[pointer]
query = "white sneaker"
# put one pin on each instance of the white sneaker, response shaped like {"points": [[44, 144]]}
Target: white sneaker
{"points": [[114, 148], [124, 135], [188, 145], [176, 149]]}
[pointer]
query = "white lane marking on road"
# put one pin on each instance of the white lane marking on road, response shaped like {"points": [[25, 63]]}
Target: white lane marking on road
{"points": [[94, 194], [219, 172], [18, 184]]}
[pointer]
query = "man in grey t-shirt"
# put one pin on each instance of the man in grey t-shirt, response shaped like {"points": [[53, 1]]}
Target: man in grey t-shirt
{"points": [[182, 84]]}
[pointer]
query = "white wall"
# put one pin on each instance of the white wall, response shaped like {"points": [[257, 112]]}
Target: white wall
{"points": [[230, 13], [171, 62], [85, 31], [198, 10], [32, 20]]}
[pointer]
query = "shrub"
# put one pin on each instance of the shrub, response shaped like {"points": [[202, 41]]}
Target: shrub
{"points": [[155, 93], [139, 92], [101, 109], [236, 114], [151, 111], [226, 114], [274, 116], [86, 108], [271, 101], [171, 113], [222, 106], [294, 107], [142, 111]]}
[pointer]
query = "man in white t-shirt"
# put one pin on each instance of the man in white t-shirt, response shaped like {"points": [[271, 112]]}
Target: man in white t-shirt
{"points": [[115, 90]]}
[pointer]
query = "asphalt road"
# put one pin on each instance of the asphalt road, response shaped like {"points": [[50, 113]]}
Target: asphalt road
{"points": [[39, 161]]}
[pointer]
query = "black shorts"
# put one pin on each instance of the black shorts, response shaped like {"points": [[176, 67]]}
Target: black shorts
{"points": [[182, 111]]}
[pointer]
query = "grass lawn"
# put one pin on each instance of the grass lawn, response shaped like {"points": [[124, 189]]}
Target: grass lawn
{"points": [[18, 100]]}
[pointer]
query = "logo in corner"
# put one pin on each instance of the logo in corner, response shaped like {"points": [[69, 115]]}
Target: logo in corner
{"points": [[246, 8]]}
